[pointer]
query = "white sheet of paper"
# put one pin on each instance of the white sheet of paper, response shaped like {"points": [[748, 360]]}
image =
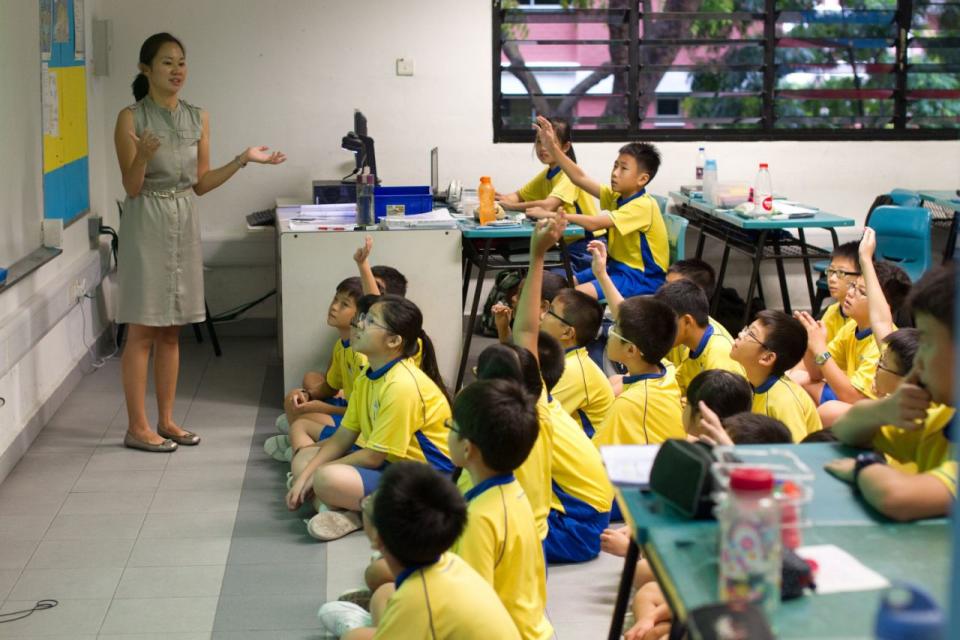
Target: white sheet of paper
{"points": [[629, 464], [838, 571]]}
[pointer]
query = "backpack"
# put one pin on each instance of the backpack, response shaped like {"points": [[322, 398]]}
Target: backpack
{"points": [[506, 282]]}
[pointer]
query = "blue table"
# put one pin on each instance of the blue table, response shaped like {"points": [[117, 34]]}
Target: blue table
{"points": [[761, 239], [682, 553], [945, 210], [479, 245]]}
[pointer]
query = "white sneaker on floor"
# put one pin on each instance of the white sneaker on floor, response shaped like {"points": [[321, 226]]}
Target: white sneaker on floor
{"points": [[332, 525], [360, 597], [338, 618], [278, 448], [283, 425]]}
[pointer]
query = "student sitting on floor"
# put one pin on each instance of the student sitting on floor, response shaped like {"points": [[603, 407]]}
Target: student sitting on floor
{"points": [[636, 233], [915, 424], [706, 349], [767, 348], [319, 406], [648, 410], [701, 274], [503, 314], [417, 515], [583, 390], [494, 428], [396, 413], [842, 273]]}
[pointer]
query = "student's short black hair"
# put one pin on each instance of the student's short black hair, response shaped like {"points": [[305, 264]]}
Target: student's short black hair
{"points": [[646, 155], [904, 343], [824, 435], [697, 271], [393, 281], [553, 283], [725, 392], [756, 428], [686, 298], [418, 513], [552, 360], [933, 295], [848, 251], [895, 284], [365, 302], [786, 337], [510, 362], [649, 324], [352, 288], [582, 312], [500, 418]]}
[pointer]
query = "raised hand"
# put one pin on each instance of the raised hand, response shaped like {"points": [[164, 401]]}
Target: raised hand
{"points": [[816, 332], [711, 428], [868, 245], [147, 143], [363, 253], [598, 250], [546, 234], [546, 134], [502, 315], [261, 155]]}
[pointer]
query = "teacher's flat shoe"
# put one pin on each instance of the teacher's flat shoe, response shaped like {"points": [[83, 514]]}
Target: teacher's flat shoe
{"points": [[167, 446], [187, 439]]}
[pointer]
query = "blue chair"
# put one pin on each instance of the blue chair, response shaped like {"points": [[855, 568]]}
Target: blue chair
{"points": [[905, 198], [676, 235], [661, 201], [903, 237]]}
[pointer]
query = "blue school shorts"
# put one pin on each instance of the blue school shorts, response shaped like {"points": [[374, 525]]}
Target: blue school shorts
{"points": [[573, 536], [827, 394], [629, 281], [370, 477], [337, 418]]}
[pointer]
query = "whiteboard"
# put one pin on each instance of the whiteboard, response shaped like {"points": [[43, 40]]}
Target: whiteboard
{"points": [[21, 129]]}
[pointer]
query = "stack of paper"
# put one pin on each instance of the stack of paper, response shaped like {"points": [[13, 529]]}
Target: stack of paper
{"points": [[319, 217], [436, 219]]}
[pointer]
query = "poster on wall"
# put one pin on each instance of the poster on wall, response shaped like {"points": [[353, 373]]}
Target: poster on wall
{"points": [[66, 169]]}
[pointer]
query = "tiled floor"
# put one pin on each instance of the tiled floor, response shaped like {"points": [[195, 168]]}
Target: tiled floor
{"points": [[194, 544]]}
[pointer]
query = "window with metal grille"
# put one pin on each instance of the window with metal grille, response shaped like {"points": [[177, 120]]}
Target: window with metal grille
{"points": [[725, 69]]}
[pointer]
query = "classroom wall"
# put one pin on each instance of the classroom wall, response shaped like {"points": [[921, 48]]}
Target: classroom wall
{"points": [[38, 311]]}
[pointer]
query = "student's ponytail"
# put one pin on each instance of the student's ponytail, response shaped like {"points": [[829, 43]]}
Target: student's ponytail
{"points": [[428, 362], [405, 320]]}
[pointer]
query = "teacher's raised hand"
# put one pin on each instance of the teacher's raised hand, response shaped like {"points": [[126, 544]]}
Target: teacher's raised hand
{"points": [[147, 143], [262, 155]]}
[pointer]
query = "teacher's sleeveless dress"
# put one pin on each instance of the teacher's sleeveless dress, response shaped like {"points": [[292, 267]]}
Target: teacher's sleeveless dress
{"points": [[160, 256]]}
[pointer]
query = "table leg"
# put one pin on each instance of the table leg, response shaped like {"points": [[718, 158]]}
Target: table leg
{"points": [[623, 593], [754, 276], [948, 251], [471, 324], [782, 276], [806, 268], [565, 255], [715, 302], [467, 269]]}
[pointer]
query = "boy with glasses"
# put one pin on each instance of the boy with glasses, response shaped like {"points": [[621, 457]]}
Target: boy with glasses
{"points": [[767, 348], [841, 275]]}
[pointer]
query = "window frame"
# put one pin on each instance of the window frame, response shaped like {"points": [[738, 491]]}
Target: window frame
{"points": [[768, 130]]}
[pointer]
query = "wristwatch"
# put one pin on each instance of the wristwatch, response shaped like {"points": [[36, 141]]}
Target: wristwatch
{"points": [[864, 460], [821, 358]]}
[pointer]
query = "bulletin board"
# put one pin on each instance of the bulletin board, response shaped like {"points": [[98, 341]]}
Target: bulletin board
{"points": [[66, 166]]}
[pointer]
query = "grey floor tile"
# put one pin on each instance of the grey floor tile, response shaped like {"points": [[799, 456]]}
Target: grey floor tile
{"points": [[260, 524], [276, 549], [24, 527], [70, 618], [87, 526], [160, 615], [275, 634], [253, 580], [117, 457], [195, 501], [15, 501], [160, 582], [186, 552], [15, 554], [291, 611], [107, 502], [201, 635], [271, 500], [212, 477], [79, 554], [118, 480], [172, 526], [8, 578], [582, 630], [66, 584], [207, 453]]}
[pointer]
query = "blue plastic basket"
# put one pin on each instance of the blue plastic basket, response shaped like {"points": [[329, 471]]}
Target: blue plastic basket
{"points": [[401, 201]]}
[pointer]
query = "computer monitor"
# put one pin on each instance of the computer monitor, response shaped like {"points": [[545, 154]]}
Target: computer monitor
{"points": [[359, 123], [361, 144]]}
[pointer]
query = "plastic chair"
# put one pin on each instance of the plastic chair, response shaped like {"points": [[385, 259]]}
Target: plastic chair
{"points": [[903, 237], [661, 201], [676, 235], [905, 198]]}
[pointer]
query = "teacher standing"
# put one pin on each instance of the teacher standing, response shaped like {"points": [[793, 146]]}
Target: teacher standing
{"points": [[163, 146]]}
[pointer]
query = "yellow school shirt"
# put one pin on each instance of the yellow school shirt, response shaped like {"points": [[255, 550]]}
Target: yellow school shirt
{"points": [[834, 320], [576, 466], [445, 600], [399, 411], [783, 399], [679, 353], [646, 412], [584, 391], [345, 364], [857, 353], [713, 352], [928, 448], [554, 182], [638, 237], [501, 543]]}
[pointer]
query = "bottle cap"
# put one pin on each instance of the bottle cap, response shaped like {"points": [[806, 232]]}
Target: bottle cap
{"points": [[485, 180], [764, 165], [746, 479], [699, 148]]}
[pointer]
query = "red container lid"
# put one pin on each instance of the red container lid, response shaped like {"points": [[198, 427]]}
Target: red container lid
{"points": [[764, 165], [751, 480]]}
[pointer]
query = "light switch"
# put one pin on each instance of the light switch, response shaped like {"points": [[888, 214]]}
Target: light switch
{"points": [[404, 66]]}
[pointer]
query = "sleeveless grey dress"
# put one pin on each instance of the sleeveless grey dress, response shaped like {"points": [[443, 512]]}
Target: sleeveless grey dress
{"points": [[160, 256]]}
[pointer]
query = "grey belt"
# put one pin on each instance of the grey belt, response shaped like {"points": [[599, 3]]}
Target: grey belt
{"points": [[168, 193]]}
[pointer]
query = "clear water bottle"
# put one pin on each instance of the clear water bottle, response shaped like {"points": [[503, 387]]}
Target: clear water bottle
{"points": [[365, 206], [763, 192], [701, 160], [750, 546], [709, 180]]}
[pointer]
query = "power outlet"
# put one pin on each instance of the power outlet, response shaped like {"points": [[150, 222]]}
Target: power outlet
{"points": [[78, 289], [404, 66]]}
